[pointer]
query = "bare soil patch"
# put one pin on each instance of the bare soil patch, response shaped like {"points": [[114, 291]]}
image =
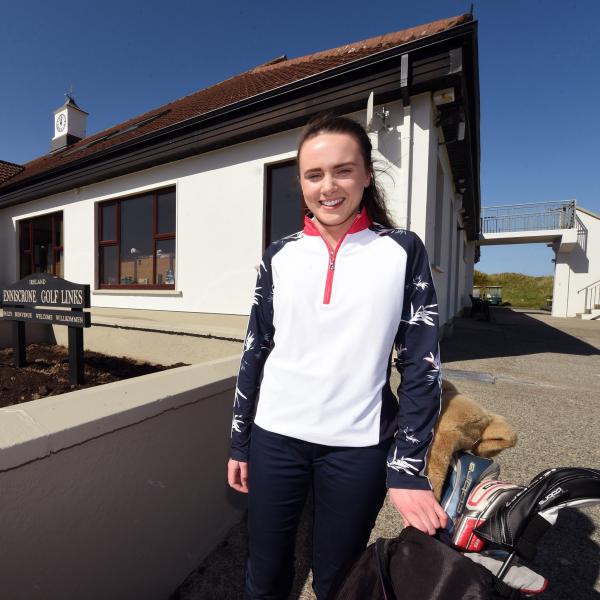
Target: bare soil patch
{"points": [[47, 372]]}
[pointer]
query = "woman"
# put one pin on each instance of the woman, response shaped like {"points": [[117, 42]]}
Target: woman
{"points": [[330, 303]]}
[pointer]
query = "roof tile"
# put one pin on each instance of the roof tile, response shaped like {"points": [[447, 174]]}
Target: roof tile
{"points": [[8, 170]]}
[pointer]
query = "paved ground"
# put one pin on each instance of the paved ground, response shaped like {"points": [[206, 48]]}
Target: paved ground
{"points": [[543, 374]]}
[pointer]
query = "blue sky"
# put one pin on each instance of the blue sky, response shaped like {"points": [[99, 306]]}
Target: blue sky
{"points": [[538, 77]]}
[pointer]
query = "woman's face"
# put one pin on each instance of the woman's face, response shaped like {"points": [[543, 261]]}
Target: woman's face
{"points": [[333, 177]]}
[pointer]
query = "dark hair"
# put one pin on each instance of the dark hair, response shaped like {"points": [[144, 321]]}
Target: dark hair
{"points": [[329, 122]]}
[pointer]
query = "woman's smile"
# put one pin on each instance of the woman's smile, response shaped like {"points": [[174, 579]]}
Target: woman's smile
{"points": [[332, 203]]}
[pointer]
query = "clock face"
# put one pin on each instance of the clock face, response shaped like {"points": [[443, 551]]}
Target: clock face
{"points": [[61, 122]]}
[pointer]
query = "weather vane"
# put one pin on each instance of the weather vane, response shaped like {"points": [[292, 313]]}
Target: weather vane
{"points": [[69, 93]]}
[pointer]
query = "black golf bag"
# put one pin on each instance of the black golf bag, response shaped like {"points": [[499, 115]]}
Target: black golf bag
{"points": [[416, 566]]}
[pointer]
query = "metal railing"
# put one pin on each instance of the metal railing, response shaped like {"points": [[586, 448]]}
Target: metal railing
{"points": [[534, 216], [592, 296]]}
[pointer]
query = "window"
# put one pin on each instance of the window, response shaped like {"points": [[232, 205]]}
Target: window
{"points": [[41, 245], [137, 241], [285, 206]]}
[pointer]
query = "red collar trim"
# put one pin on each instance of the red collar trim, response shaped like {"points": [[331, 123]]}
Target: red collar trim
{"points": [[361, 221]]}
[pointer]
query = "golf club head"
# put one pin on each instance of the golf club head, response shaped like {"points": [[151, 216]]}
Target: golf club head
{"points": [[464, 473], [486, 498], [523, 520]]}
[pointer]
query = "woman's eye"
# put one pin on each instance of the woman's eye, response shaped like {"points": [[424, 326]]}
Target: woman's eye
{"points": [[344, 172]]}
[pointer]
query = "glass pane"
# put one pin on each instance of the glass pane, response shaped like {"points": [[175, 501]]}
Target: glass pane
{"points": [[25, 265], [285, 202], [109, 265], [165, 262], [42, 244], [24, 238], [58, 230], [58, 263], [109, 222], [166, 212], [137, 241]]}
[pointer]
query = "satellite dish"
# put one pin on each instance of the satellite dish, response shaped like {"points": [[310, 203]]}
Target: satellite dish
{"points": [[370, 111]]}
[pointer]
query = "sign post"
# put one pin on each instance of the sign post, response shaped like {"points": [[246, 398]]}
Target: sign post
{"points": [[40, 289], [19, 343]]}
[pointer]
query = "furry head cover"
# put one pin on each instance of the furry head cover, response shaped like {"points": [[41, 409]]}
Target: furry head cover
{"points": [[464, 425]]}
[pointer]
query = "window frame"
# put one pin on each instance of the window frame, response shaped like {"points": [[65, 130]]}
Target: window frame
{"points": [[156, 237], [28, 221]]}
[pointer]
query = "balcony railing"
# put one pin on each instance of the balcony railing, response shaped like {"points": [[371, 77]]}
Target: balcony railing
{"points": [[528, 217]]}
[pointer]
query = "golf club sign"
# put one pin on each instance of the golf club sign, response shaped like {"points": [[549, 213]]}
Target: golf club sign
{"points": [[21, 301]]}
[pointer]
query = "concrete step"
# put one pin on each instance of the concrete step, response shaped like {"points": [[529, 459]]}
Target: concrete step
{"points": [[591, 315]]}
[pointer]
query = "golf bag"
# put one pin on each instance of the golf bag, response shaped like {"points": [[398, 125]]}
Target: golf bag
{"points": [[416, 565]]}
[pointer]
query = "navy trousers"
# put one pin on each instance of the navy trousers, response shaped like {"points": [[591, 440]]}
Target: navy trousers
{"points": [[349, 489]]}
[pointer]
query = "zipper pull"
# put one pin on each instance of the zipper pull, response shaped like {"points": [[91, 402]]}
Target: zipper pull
{"points": [[331, 261]]}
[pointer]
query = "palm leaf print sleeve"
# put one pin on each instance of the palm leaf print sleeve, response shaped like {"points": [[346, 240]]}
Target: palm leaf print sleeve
{"points": [[257, 346], [418, 361]]}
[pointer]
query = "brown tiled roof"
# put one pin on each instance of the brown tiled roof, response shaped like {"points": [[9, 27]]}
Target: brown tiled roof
{"points": [[260, 79], [8, 170]]}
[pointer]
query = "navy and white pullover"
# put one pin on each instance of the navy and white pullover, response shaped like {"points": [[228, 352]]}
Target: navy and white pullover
{"points": [[321, 332]]}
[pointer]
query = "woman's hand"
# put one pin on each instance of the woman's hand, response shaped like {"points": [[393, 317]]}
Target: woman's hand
{"points": [[419, 508], [237, 475]]}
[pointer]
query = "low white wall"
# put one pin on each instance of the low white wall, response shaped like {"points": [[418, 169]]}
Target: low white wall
{"points": [[119, 491]]}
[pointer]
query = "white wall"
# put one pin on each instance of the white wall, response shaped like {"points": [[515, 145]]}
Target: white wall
{"points": [[220, 214], [219, 228], [428, 156]]}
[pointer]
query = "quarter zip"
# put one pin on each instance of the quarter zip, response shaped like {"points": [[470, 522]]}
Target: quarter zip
{"points": [[330, 271], [361, 221], [331, 267]]}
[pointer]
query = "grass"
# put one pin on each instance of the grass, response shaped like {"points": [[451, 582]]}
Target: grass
{"points": [[521, 291]]}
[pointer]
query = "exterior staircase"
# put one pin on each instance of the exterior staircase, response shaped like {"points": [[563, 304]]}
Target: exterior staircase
{"points": [[590, 314]]}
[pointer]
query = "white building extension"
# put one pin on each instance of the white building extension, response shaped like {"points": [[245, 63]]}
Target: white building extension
{"points": [[577, 272], [574, 235]]}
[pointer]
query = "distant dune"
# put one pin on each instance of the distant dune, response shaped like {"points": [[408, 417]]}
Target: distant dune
{"points": [[521, 291]]}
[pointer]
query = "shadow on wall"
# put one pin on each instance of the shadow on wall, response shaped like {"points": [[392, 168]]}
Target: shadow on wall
{"points": [[509, 333], [578, 260]]}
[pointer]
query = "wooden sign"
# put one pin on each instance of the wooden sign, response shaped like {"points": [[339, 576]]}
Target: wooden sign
{"points": [[42, 290]]}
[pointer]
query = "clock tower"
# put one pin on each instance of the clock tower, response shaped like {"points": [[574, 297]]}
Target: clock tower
{"points": [[69, 124]]}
